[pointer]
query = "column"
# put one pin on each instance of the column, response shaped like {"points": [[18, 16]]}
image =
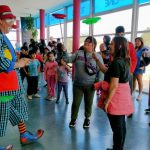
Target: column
{"points": [[76, 25], [42, 24], [134, 21]]}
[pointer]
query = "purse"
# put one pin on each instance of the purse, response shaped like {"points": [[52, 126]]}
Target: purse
{"points": [[89, 68]]}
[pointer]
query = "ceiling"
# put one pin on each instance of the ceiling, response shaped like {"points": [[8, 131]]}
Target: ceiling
{"points": [[23, 8]]}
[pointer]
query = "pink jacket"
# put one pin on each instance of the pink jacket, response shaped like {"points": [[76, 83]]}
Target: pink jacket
{"points": [[50, 69], [121, 103]]}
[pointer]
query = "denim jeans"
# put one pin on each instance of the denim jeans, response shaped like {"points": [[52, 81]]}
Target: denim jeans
{"points": [[64, 86], [118, 126]]}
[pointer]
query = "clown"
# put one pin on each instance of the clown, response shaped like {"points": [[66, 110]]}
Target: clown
{"points": [[13, 106]]}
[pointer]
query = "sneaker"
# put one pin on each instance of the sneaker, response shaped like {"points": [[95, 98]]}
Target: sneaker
{"points": [[86, 123], [72, 123], [9, 147], [147, 110], [29, 138], [36, 95], [53, 98], [29, 97], [139, 98], [47, 97]]}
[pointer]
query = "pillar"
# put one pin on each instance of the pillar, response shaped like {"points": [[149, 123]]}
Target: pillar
{"points": [[76, 25], [42, 24]]}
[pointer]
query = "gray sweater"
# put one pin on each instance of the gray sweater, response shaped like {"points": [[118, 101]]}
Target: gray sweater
{"points": [[81, 78]]}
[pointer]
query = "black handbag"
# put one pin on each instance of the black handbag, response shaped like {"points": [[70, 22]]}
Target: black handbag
{"points": [[89, 68]]}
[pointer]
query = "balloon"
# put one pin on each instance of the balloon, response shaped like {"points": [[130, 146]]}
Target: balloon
{"points": [[91, 20], [59, 16]]}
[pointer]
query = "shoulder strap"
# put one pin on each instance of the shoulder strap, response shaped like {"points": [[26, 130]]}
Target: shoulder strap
{"points": [[12, 51], [85, 56]]}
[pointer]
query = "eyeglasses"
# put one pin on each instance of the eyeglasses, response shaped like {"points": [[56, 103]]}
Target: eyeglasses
{"points": [[10, 21]]}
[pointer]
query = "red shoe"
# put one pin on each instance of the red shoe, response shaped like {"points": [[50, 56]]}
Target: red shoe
{"points": [[9, 147], [29, 138]]}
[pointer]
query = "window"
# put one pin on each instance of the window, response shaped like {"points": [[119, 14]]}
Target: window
{"points": [[69, 45], [84, 29], [143, 1], [105, 5], [144, 19], [55, 31], [69, 29], [118, 18], [84, 10], [52, 20]]}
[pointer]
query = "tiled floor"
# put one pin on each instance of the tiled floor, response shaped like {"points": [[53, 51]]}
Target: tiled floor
{"points": [[54, 119]]}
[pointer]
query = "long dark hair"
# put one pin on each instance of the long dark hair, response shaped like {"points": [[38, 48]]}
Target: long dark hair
{"points": [[107, 41], [121, 49], [60, 47]]}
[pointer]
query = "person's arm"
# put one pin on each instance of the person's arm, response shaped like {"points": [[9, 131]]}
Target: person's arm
{"points": [[66, 66], [22, 63], [112, 89], [7, 65], [45, 72], [133, 57], [101, 66], [71, 58]]}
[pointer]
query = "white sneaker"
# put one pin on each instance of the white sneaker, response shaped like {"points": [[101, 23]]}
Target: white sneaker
{"points": [[47, 97], [29, 97], [53, 98], [139, 98], [37, 95]]}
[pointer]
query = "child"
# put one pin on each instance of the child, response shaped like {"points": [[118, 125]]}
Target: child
{"points": [[50, 73], [32, 78], [23, 54], [62, 73]]}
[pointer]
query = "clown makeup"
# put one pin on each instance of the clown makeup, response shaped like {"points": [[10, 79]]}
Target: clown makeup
{"points": [[6, 25], [10, 21]]}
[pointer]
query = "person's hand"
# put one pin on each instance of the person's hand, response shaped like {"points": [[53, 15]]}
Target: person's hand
{"points": [[22, 62], [106, 106]]}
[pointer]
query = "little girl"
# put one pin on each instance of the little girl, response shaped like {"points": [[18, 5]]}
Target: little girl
{"points": [[50, 74], [62, 73]]}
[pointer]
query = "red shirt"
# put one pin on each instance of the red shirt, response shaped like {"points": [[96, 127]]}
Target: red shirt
{"points": [[133, 57]]}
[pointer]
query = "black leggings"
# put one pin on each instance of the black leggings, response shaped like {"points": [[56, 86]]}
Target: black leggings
{"points": [[118, 126]]}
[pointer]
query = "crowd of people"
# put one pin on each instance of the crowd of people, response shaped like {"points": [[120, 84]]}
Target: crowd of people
{"points": [[116, 65]]}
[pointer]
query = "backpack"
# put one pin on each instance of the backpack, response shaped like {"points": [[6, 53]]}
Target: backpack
{"points": [[145, 58]]}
